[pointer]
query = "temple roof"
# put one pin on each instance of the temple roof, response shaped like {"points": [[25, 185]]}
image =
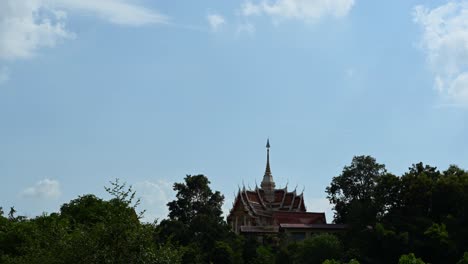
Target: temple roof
{"points": [[253, 202], [277, 205], [299, 218]]}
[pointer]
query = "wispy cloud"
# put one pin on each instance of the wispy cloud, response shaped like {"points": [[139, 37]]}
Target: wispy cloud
{"points": [[444, 40], [304, 10], [216, 21], [123, 12], [43, 189], [154, 197], [28, 25]]}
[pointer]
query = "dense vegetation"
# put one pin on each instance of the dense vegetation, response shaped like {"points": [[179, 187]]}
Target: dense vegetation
{"points": [[418, 217]]}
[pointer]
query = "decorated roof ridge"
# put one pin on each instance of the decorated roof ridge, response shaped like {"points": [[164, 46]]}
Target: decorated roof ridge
{"points": [[261, 199], [249, 205], [285, 188], [248, 202], [300, 203], [305, 207], [235, 198], [291, 206], [302, 192], [234, 203], [239, 194], [284, 196], [242, 200]]}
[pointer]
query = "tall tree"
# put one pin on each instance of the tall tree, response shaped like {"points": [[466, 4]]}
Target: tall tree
{"points": [[353, 191], [195, 199], [195, 220]]}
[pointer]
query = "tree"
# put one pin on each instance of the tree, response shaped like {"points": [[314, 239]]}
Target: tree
{"points": [[87, 230], [195, 218], [353, 191], [318, 248], [464, 260], [222, 253], [195, 199], [264, 255], [332, 261], [416, 192], [410, 259]]}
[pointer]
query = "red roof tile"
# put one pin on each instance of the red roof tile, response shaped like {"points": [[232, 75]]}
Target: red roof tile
{"points": [[299, 218]]}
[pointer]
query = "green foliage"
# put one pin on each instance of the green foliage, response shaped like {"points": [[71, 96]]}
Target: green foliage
{"points": [[423, 211], [222, 253], [264, 256], [195, 199], [464, 260], [438, 233], [410, 259], [124, 195], [318, 248], [87, 230], [353, 191], [163, 254], [196, 222], [332, 261]]}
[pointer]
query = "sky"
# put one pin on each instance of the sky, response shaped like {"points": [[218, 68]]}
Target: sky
{"points": [[151, 91]]}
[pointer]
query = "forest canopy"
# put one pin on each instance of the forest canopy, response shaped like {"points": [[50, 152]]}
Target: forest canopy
{"points": [[420, 216]]}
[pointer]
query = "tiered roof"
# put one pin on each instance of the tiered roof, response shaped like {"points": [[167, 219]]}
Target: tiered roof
{"points": [[254, 201]]}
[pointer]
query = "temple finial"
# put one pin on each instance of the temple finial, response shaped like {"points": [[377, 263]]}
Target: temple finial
{"points": [[267, 169], [267, 183]]}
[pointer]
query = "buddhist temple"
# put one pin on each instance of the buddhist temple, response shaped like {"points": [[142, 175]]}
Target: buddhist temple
{"points": [[267, 210]]}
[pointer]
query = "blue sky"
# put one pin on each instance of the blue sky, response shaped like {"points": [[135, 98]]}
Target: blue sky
{"points": [[149, 91]]}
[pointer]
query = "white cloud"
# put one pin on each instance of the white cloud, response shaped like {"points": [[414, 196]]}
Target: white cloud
{"points": [[305, 10], [4, 75], [216, 21], [28, 25], [445, 41], [43, 189], [122, 12], [154, 197]]}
